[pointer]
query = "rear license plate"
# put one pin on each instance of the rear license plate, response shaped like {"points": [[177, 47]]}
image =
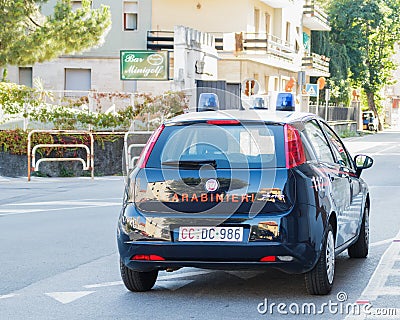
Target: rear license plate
{"points": [[229, 234]]}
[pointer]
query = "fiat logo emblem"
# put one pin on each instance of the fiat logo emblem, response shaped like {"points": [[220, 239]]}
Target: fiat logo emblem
{"points": [[212, 185]]}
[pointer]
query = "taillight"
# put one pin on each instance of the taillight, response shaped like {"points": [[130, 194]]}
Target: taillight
{"points": [[149, 147], [147, 257], [224, 122], [268, 259], [293, 147]]}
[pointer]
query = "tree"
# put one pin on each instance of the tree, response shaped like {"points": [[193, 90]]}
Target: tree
{"points": [[28, 37], [369, 29], [324, 43]]}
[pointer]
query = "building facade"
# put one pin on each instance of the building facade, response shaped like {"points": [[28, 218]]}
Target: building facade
{"points": [[265, 41], [98, 68]]}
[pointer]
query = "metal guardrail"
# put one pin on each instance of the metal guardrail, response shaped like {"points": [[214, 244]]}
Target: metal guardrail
{"points": [[34, 166], [129, 160]]}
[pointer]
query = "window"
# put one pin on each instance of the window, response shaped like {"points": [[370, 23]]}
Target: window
{"points": [[231, 146], [77, 80], [276, 84], [130, 15], [256, 20], [76, 4], [288, 32], [338, 147], [267, 23], [266, 83], [25, 76], [318, 142], [297, 46], [284, 82]]}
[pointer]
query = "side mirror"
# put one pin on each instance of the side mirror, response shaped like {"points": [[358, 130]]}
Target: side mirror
{"points": [[362, 162]]}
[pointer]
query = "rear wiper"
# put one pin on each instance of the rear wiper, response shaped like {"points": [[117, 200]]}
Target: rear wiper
{"points": [[195, 164]]}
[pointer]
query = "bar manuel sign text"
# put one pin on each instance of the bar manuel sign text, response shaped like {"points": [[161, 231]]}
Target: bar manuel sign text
{"points": [[144, 65]]}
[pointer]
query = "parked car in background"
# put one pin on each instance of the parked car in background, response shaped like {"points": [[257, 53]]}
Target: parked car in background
{"points": [[249, 189], [369, 121]]}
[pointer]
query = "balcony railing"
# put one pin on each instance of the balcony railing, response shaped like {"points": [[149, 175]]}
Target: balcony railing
{"points": [[157, 40], [314, 17], [246, 43], [317, 65], [258, 43]]}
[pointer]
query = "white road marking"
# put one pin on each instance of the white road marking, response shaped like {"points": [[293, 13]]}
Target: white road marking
{"points": [[165, 278], [376, 285], [104, 284], [6, 212], [172, 285], [182, 275], [67, 297], [384, 154], [7, 296], [390, 187], [9, 212], [379, 243], [383, 151], [388, 291], [357, 146]]}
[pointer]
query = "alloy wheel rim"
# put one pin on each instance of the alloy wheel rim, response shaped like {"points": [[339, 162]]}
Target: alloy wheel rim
{"points": [[330, 257]]}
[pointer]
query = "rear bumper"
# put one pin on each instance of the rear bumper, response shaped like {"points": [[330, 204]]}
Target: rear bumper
{"points": [[219, 256], [298, 235]]}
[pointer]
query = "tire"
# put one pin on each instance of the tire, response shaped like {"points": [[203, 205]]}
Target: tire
{"points": [[359, 249], [319, 280], [137, 281]]}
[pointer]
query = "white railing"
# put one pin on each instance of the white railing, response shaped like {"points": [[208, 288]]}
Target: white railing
{"points": [[34, 166]]}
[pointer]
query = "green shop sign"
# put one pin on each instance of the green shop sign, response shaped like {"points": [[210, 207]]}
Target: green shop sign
{"points": [[144, 65]]}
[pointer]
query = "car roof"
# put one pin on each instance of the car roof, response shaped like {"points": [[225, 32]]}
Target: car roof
{"points": [[244, 115]]}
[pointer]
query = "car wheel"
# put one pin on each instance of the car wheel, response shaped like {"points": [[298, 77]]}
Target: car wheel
{"points": [[138, 281], [320, 279], [359, 249]]}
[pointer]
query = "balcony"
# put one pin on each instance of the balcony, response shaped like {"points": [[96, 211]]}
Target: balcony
{"points": [[316, 65], [258, 43], [239, 43], [277, 3], [160, 40], [314, 18]]}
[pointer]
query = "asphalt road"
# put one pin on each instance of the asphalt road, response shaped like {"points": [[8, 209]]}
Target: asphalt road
{"points": [[58, 258]]}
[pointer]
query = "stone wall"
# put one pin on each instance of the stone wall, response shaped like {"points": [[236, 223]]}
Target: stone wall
{"points": [[342, 127], [108, 160]]}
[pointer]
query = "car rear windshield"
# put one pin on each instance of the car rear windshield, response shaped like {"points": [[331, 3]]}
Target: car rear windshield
{"points": [[253, 146]]}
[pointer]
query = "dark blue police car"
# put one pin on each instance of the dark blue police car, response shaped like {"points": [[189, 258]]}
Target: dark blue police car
{"points": [[243, 190]]}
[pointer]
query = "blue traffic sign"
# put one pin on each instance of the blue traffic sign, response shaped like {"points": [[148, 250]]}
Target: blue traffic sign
{"points": [[312, 89]]}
